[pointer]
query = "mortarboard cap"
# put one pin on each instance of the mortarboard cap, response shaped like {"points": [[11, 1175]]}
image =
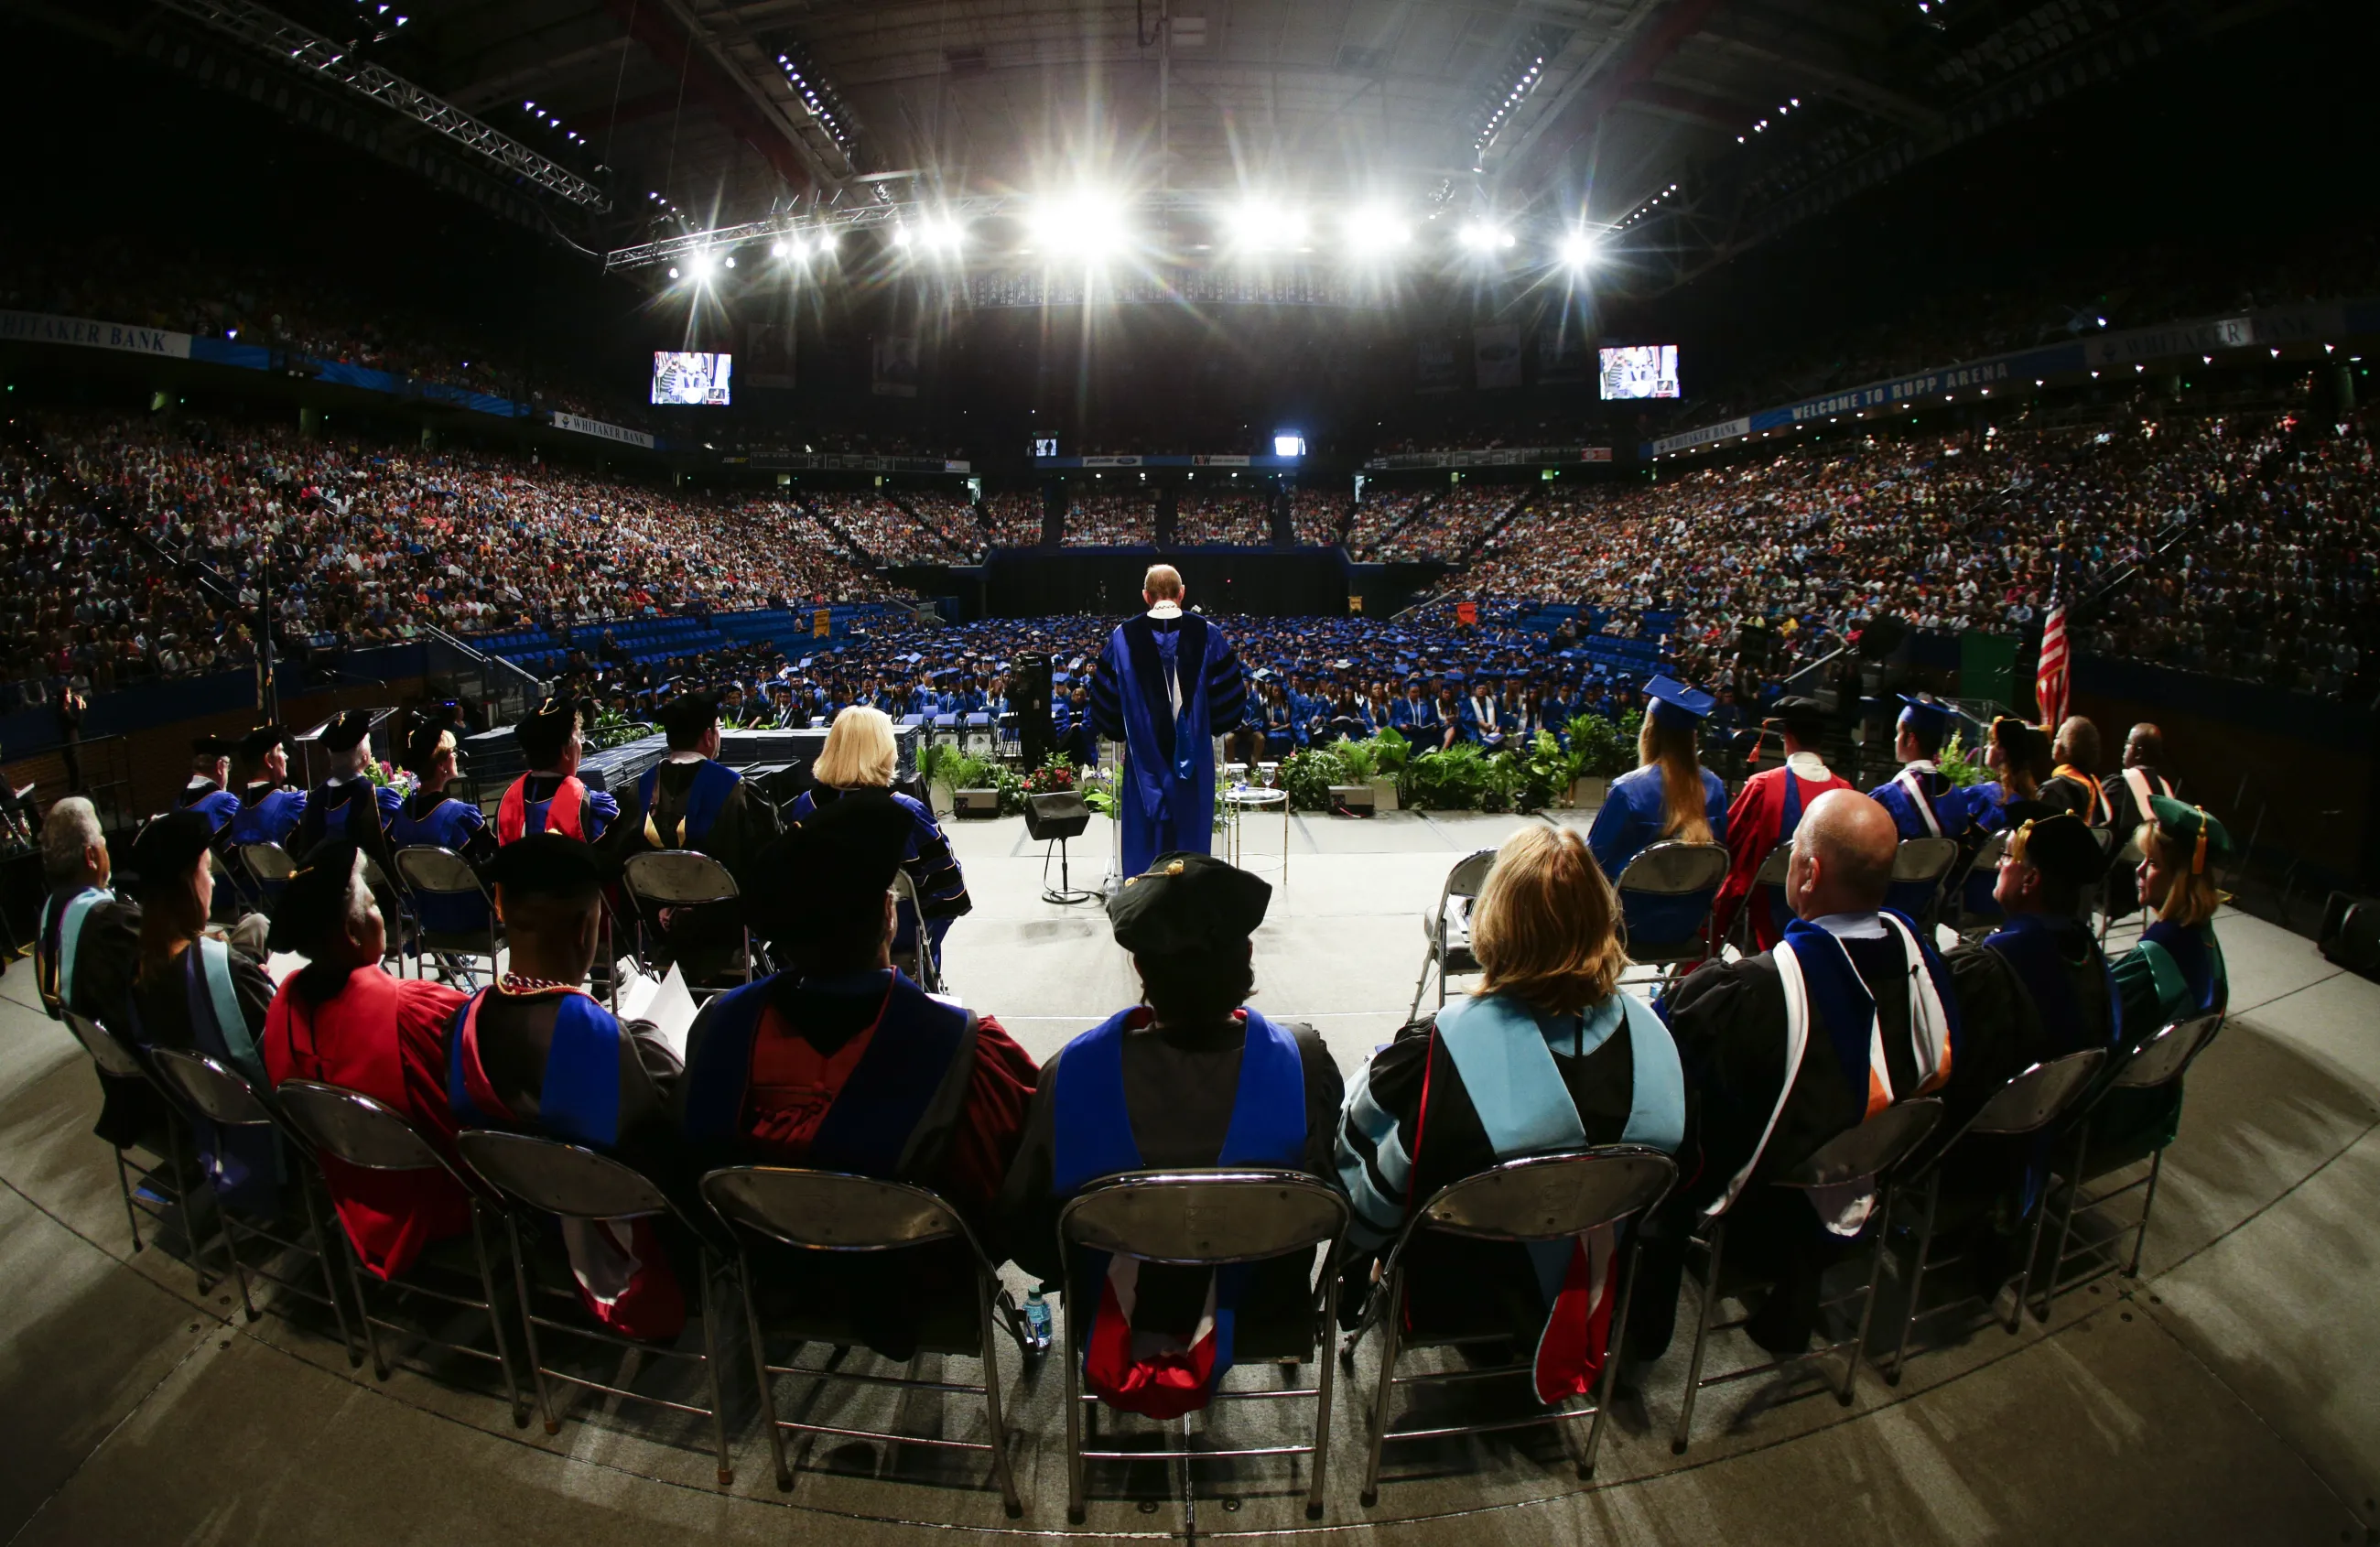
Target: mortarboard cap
{"points": [[839, 860], [257, 743], [421, 749], [689, 716], [2060, 846], [206, 748], [1187, 902], [546, 730], [1924, 715], [1675, 703], [166, 849], [314, 901], [344, 731], [1803, 718], [2203, 841]]}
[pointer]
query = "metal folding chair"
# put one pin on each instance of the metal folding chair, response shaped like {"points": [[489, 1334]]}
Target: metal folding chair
{"points": [[1202, 1219], [221, 1096], [831, 1212], [1543, 1198], [1872, 1149], [1969, 923], [1446, 929], [1920, 866], [926, 971], [2156, 1064], [173, 1151], [364, 1133], [2032, 1102], [435, 875], [679, 878], [270, 863], [1664, 871], [547, 1176], [1769, 877]]}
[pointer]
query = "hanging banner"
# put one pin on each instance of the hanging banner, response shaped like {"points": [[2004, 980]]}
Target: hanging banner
{"points": [[1496, 356], [1434, 364], [36, 327], [580, 424], [767, 355], [1561, 351], [895, 373]]}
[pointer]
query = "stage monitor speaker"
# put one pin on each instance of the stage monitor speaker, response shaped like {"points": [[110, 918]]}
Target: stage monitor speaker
{"points": [[1352, 800], [974, 803], [1028, 698], [1058, 815], [2350, 933]]}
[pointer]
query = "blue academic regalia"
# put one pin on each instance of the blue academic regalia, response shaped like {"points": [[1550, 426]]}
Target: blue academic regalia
{"points": [[450, 824], [269, 818], [1629, 823], [1167, 801], [1945, 804]]}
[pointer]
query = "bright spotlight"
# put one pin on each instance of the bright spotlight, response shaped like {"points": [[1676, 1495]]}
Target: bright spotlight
{"points": [[1288, 443], [778, 250], [901, 237], [1374, 231], [824, 246], [1482, 237], [1578, 249], [731, 260], [1085, 226], [1258, 227], [700, 266]]}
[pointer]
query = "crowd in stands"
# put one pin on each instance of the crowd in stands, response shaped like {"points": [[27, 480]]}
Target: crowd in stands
{"points": [[1119, 521], [1381, 514], [1452, 526], [1317, 517], [880, 527], [1223, 517], [1014, 519]]}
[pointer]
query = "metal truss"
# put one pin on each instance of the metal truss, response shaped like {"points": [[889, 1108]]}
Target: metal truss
{"points": [[277, 35]]}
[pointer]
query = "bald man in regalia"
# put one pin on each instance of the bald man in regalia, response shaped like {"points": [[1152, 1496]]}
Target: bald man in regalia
{"points": [[1165, 682]]}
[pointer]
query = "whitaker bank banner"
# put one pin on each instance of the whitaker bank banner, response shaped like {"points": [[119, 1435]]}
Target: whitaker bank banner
{"points": [[37, 327], [601, 430]]}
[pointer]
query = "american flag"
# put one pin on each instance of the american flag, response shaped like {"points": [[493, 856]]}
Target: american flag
{"points": [[2049, 681]]}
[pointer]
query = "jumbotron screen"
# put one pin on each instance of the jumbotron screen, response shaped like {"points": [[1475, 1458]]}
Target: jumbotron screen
{"points": [[683, 378], [1641, 370]]}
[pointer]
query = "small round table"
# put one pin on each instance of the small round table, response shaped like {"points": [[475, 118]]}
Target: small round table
{"points": [[1240, 799]]}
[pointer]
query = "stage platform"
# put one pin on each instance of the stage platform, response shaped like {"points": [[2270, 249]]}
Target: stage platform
{"points": [[2230, 1395]]}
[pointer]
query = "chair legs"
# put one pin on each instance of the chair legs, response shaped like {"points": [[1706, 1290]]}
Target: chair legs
{"points": [[496, 1317], [710, 1367], [1323, 1383], [322, 1241], [995, 1424], [1073, 1396], [760, 1374], [131, 1214], [2148, 1202], [1391, 1334], [1867, 1301], [1612, 1353], [1706, 1305], [529, 1331], [1917, 1279]]}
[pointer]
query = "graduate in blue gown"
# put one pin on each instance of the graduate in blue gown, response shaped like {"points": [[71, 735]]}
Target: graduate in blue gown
{"points": [[269, 806], [1670, 797], [431, 818], [207, 792], [1165, 682]]}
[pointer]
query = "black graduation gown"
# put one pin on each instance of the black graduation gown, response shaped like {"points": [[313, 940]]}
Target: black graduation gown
{"points": [[1179, 1089], [704, 939], [107, 954]]}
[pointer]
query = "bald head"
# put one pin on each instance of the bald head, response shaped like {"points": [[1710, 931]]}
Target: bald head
{"points": [[2078, 744], [1842, 855], [2144, 747], [1162, 583]]}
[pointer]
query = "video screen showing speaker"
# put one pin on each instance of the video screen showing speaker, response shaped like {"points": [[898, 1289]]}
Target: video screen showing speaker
{"points": [[1640, 371], [683, 378]]}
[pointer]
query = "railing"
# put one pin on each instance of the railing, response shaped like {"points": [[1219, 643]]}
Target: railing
{"points": [[508, 689]]}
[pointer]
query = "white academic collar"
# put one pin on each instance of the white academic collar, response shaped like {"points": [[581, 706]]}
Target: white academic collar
{"points": [[1920, 765], [1853, 926], [685, 754], [1166, 609], [1809, 765]]}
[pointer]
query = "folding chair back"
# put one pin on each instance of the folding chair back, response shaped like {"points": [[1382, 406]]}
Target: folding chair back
{"points": [[1920, 859], [353, 1128], [441, 872], [1772, 870], [1206, 1219], [2161, 1059], [114, 1055], [1541, 1197], [268, 862], [678, 878], [1446, 929], [1659, 890], [1870, 1150], [1200, 1219], [924, 970], [2040, 1094], [830, 1210], [1675, 869], [207, 1087], [555, 1177], [834, 1212]]}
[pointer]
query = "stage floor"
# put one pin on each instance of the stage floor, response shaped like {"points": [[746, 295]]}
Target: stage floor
{"points": [[2232, 1393]]}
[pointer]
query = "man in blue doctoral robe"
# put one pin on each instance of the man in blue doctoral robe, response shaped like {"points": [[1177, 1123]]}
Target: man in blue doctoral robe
{"points": [[1166, 681]]}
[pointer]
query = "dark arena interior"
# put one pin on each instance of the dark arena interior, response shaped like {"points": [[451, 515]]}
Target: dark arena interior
{"points": [[574, 571]]}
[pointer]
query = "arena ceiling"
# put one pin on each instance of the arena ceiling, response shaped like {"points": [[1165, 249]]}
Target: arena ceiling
{"points": [[1690, 129]]}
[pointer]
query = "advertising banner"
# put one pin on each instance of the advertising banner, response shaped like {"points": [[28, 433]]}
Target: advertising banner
{"points": [[1434, 364], [601, 431], [39, 327], [895, 372], [1496, 356]]}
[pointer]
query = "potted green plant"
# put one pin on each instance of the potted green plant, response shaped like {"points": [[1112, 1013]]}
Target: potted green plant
{"points": [[1550, 774], [1386, 755]]}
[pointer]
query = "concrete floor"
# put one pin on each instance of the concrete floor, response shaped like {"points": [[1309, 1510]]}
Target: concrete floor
{"points": [[2231, 1393]]}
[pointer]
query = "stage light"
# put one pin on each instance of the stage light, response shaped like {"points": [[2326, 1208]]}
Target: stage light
{"points": [[673, 271], [778, 250], [1082, 225], [700, 265], [731, 260], [901, 237], [1482, 237], [1578, 249], [1374, 231], [824, 246], [1258, 227]]}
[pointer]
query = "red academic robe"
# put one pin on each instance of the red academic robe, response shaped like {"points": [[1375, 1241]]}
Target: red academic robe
{"points": [[1756, 824], [385, 1037]]}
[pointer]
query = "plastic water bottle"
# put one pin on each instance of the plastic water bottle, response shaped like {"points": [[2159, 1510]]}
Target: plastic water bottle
{"points": [[1036, 1320]]}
